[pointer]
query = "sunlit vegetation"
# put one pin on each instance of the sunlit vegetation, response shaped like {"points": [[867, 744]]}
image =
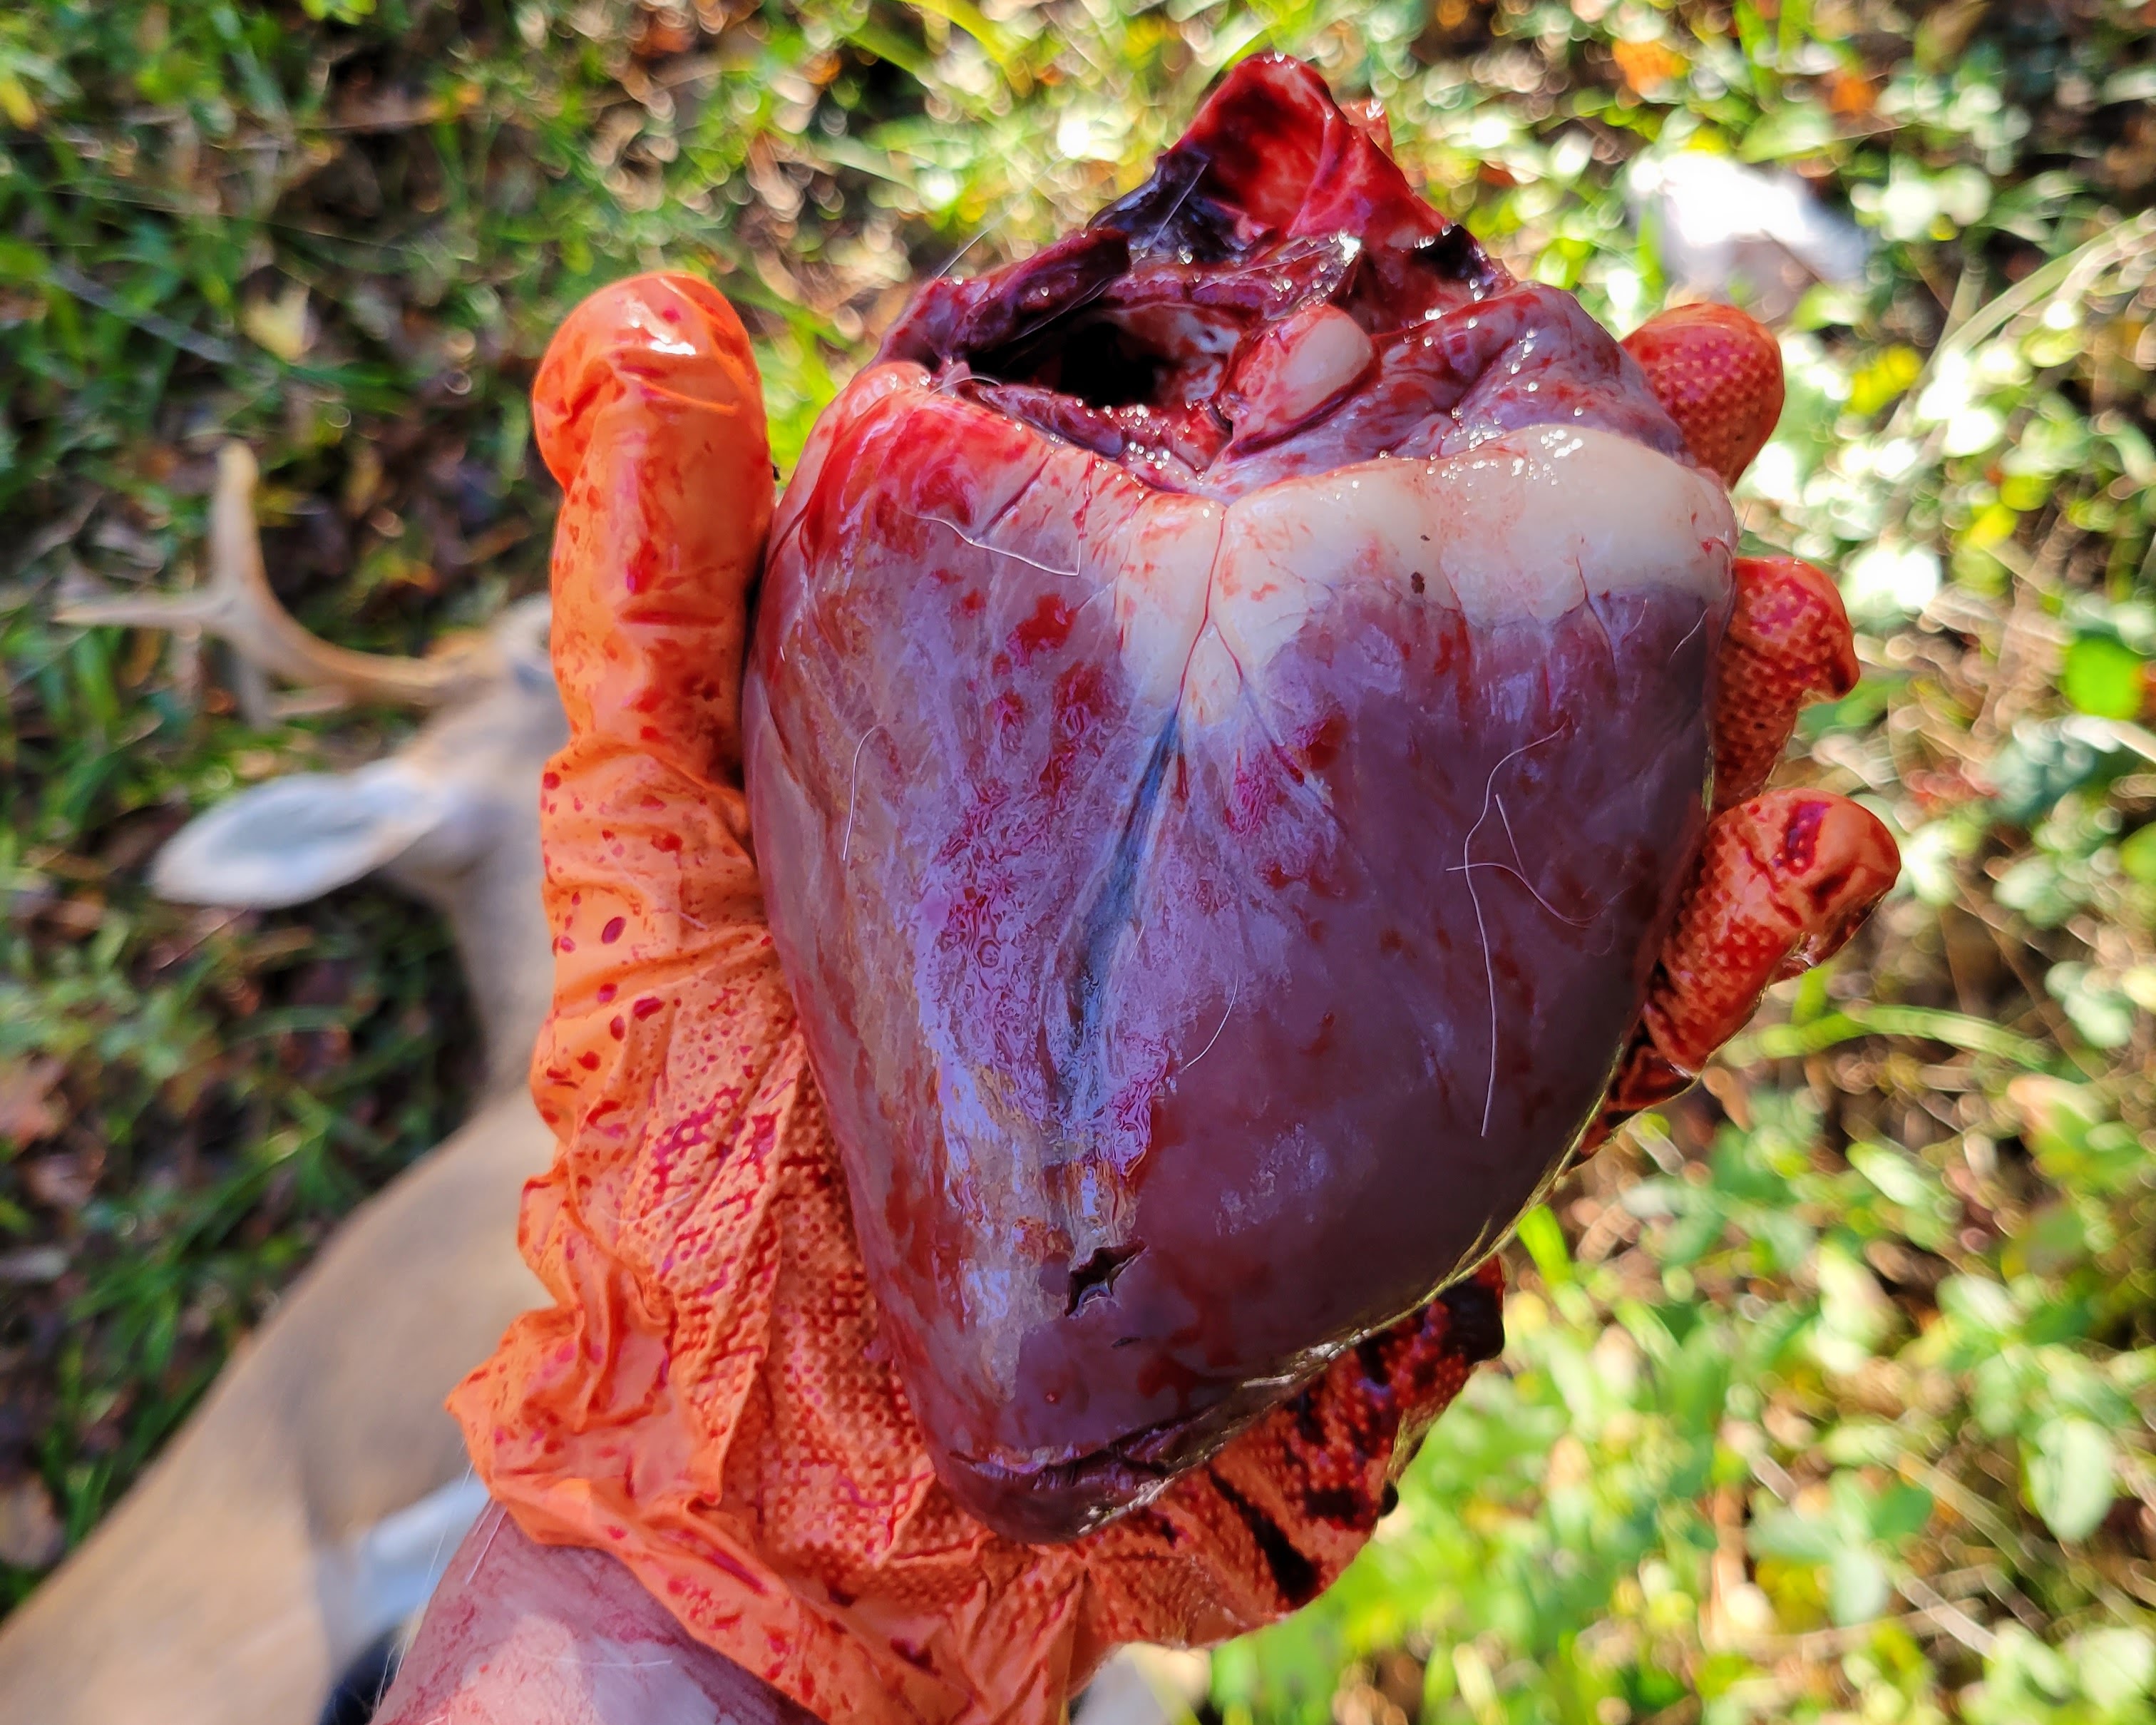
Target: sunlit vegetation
{"points": [[1829, 1391]]}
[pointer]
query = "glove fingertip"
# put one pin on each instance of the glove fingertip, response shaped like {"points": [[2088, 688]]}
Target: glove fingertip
{"points": [[1717, 373], [663, 327]]}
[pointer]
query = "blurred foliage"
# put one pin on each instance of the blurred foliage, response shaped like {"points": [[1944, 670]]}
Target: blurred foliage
{"points": [[1829, 1389]]}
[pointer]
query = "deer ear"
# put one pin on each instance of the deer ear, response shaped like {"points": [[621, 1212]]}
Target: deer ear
{"points": [[294, 838]]}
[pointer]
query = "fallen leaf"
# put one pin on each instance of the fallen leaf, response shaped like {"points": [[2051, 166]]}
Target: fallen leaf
{"points": [[1945, 32], [16, 104], [28, 1265], [280, 325], [28, 1112], [1647, 66], [31, 1536], [662, 32], [393, 110], [61, 1182], [1851, 96]]}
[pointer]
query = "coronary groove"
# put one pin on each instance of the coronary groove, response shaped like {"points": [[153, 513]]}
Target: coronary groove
{"points": [[1102, 923]]}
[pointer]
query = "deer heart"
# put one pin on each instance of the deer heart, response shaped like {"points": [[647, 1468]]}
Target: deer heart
{"points": [[1228, 722]]}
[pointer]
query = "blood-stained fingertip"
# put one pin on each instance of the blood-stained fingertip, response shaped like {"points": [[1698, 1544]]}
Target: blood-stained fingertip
{"points": [[1718, 374]]}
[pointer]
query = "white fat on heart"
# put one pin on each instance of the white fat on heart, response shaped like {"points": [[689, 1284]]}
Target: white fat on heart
{"points": [[1296, 370], [1524, 527], [1165, 569]]}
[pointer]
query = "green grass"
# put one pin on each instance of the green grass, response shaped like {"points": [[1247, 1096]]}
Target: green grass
{"points": [[1830, 1390]]}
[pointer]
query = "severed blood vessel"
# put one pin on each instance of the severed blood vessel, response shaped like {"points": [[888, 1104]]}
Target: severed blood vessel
{"points": [[1241, 761]]}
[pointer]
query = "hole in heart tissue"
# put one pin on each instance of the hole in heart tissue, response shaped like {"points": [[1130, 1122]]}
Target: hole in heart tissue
{"points": [[1104, 365], [1096, 1278], [1252, 313]]}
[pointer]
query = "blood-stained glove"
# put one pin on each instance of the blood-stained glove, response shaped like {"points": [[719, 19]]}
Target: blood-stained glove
{"points": [[709, 1398], [714, 1396]]}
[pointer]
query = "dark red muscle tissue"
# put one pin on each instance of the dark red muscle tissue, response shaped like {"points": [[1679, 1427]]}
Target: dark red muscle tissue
{"points": [[1228, 724]]}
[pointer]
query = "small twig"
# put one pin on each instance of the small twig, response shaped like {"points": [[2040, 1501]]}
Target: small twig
{"points": [[1816, 1645], [1948, 1616], [1771, 1474], [2084, 263], [217, 351], [54, 534]]}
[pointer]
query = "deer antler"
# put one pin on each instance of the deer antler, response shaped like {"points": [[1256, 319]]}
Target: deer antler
{"points": [[238, 607]]}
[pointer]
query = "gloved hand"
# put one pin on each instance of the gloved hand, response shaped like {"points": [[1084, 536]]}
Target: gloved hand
{"points": [[708, 1398]]}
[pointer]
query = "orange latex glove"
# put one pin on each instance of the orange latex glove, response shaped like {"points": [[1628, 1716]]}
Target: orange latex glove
{"points": [[708, 1398]]}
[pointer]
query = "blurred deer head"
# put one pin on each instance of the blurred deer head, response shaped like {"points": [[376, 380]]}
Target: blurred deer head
{"points": [[266, 1562], [302, 1513], [452, 817]]}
